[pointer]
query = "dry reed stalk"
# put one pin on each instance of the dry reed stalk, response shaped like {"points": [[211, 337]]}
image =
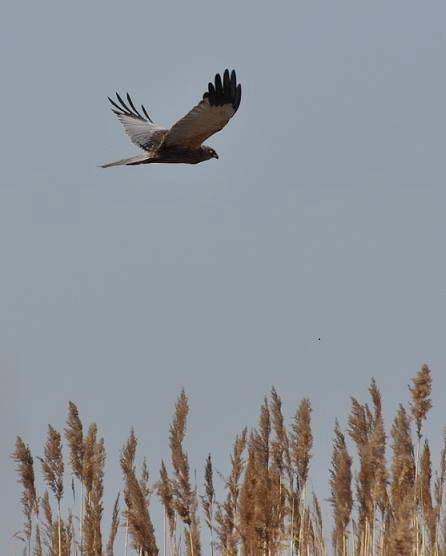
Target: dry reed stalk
{"points": [[360, 430], [366, 428], [378, 450], [341, 498], [425, 500], [67, 537], [267, 513], [165, 492], [53, 469], [280, 446], [88, 476], [318, 528], [25, 469], [246, 505], [401, 536], [281, 461], [114, 527], [439, 491], [50, 529], [136, 496], [420, 405], [74, 438], [302, 441], [93, 503], [194, 545], [185, 498], [264, 493], [227, 515], [208, 500], [301, 446], [38, 550], [403, 463]]}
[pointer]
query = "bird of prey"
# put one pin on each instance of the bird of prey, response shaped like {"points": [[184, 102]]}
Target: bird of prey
{"points": [[183, 142]]}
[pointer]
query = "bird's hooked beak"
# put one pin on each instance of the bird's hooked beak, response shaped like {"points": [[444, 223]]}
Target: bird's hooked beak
{"points": [[215, 155]]}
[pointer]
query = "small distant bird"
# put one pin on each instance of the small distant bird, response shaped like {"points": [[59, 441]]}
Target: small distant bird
{"points": [[183, 142]]}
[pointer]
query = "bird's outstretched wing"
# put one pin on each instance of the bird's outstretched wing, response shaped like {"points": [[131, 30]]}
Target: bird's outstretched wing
{"points": [[142, 131], [219, 104]]}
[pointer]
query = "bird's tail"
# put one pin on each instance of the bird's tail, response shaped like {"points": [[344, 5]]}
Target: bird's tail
{"points": [[140, 159]]}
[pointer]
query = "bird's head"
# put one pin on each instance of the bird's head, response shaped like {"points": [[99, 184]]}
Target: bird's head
{"points": [[209, 152]]}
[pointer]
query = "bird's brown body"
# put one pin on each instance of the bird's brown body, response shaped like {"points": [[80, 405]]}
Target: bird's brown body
{"points": [[183, 142], [171, 155]]}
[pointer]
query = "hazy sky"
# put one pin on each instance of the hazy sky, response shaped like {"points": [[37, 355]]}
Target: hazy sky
{"points": [[323, 218]]}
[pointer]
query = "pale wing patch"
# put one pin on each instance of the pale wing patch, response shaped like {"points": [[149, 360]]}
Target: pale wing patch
{"points": [[142, 133], [200, 123], [141, 130]]}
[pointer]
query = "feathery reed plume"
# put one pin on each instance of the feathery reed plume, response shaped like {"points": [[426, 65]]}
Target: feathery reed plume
{"points": [[403, 464], [360, 430], [194, 547], [74, 438], [302, 441], [424, 482], [88, 460], [401, 537], [25, 469], [439, 488], [265, 511], [247, 508], [52, 463], [378, 451], [263, 493], [184, 496], [237, 464], [301, 445], [226, 515], [50, 539], [53, 469], [208, 499], [262, 438], [165, 492], [93, 503], [136, 496], [281, 468], [87, 475], [181, 485], [280, 447], [341, 493], [114, 527], [318, 528], [421, 391]]}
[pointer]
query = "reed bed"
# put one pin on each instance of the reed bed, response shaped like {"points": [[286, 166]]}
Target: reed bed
{"points": [[383, 498]]}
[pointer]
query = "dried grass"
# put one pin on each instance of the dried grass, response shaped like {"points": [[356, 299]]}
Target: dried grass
{"points": [[379, 507]]}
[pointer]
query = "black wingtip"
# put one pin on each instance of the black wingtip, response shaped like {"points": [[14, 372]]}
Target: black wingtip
{"points": [[212, 96], [124, 110], [116, 106], [125, 107], [224, 91], [218, 85], [226, 80], [238, 97], [146, 115], [133, 106]]}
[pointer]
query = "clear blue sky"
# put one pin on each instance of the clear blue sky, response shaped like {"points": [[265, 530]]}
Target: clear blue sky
{"points": [[323, 218]]}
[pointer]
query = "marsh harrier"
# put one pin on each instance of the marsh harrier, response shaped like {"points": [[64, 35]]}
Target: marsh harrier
{"points": [[183, 142]]}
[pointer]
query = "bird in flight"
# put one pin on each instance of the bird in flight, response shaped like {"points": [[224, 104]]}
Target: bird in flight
{"points": [[183, 142]]}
